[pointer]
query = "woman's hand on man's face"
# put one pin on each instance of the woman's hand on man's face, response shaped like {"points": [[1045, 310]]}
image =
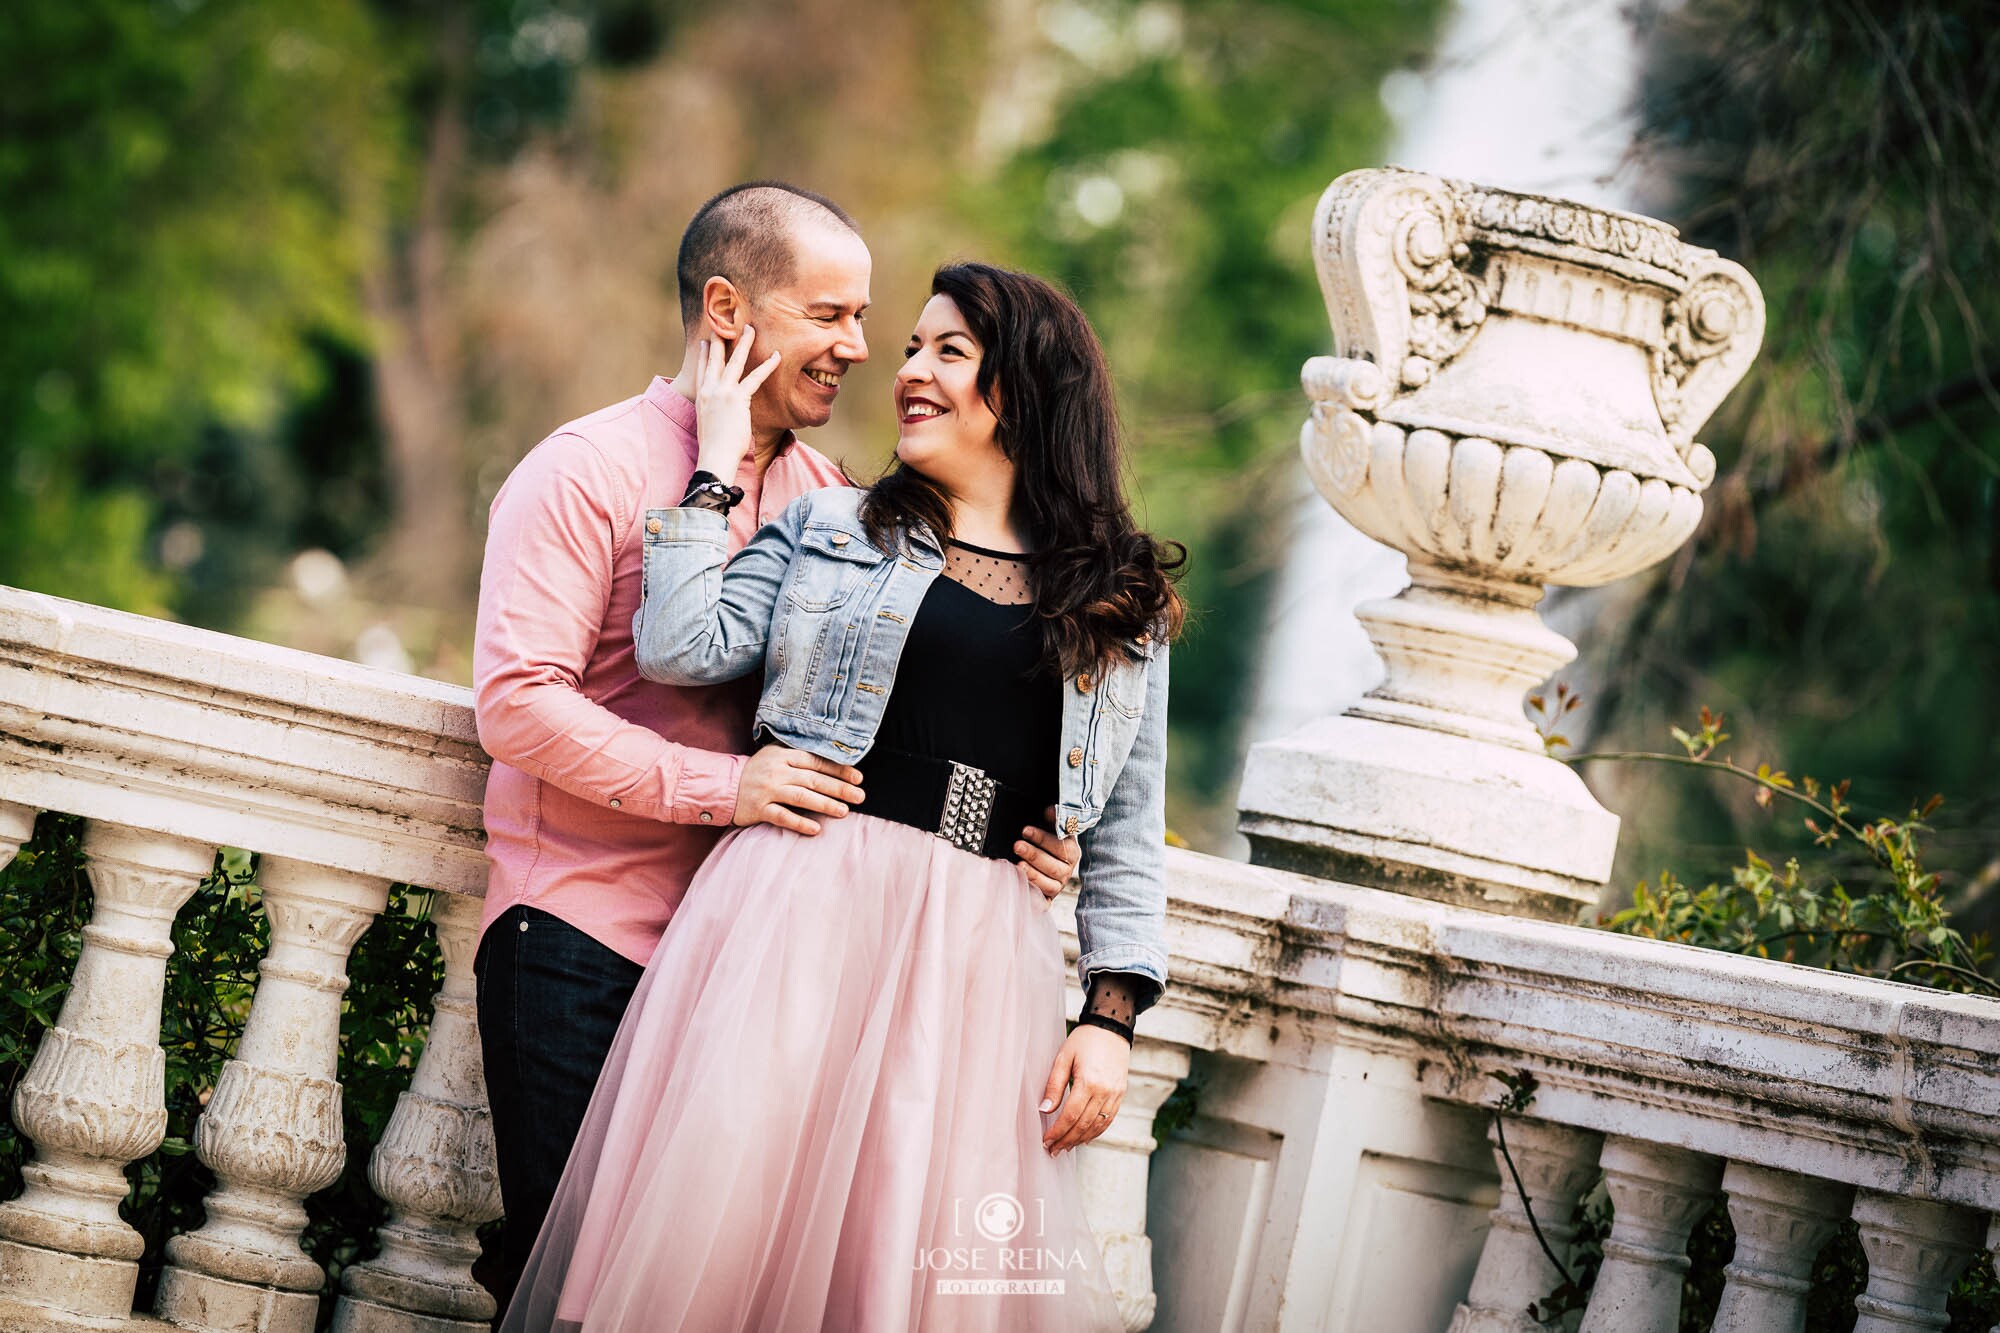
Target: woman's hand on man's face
{"points": [[722, 394]]}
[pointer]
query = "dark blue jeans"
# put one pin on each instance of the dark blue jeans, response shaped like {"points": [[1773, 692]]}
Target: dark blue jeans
{"points": [[550, 1001]]}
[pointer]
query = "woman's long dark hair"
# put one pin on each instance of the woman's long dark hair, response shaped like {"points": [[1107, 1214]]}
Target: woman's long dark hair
{"points": [[1099, 582]]}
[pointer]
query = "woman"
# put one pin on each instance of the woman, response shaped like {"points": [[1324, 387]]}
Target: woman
{"points": [[842, 1096]]}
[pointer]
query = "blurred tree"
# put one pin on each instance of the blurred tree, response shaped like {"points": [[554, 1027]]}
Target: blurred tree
{"points": [[1842, 602], [192, 193], [1171, 184], [483, 77]]}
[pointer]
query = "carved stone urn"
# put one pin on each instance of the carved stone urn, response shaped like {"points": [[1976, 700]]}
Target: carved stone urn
{"points": [[1512, 404]]}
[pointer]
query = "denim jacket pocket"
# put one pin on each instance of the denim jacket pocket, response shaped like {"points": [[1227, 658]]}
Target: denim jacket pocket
{"points": [[830, 566], [1125, 686]]}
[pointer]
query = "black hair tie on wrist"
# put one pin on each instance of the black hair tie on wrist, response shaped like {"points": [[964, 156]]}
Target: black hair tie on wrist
{"points": [[1107, 1022]]}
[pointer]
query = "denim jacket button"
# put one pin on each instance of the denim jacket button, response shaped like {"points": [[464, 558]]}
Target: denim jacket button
{"points": [[1085, 683], [653, 525], [1076, 756], [706, 817], [840, 539], [1069, 825]]}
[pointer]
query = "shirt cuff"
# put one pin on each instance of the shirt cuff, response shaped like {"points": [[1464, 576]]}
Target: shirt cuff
{"points": [[706, 792]]}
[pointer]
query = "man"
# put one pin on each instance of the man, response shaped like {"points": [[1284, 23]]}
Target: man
{"points": [[607, 790]]}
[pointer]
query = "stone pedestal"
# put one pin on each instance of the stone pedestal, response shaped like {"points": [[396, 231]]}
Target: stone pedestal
{"points": [[1512, 404]]}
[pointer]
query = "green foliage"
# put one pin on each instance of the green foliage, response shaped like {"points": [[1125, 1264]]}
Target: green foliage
{"points": [[1844, 596], [1894, 923], [219, 937], [192, 195]]}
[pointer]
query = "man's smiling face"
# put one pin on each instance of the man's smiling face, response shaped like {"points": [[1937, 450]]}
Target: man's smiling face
{"points": [[815, 320]]}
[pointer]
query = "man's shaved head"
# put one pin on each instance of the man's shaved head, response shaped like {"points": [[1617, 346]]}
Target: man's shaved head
{"points": [[745, 235]]}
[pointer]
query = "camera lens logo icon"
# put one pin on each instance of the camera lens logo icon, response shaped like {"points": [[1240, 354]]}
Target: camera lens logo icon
{"points": [[999, 1218]]}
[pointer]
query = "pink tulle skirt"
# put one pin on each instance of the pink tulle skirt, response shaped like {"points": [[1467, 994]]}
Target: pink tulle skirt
{"points": [[821, 1109]]}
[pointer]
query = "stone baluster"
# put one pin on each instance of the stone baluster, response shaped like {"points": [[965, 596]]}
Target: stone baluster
{"points": [[1781, 1222], [1113, 1172], [1557, 1164], [436, 1167], [95, 1097], [17, 825], [272, 1130], [1915, 1249], [1657, 1194]]}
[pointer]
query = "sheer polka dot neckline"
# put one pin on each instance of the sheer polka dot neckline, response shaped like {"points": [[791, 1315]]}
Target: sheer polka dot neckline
{"points": [[998, 576]]}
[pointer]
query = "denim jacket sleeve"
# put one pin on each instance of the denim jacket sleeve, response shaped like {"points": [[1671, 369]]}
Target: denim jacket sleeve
{"points": [[1121, 913], [697, 623]]}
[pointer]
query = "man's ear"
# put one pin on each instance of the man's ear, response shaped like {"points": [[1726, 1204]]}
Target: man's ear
{"points": [[723, 310]]}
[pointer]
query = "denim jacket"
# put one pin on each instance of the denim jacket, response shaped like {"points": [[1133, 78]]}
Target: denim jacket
{"points": [[825, 613]]}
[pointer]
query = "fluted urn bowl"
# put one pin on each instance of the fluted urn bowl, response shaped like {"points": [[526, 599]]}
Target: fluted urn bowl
{"points": [[1517, 379]]}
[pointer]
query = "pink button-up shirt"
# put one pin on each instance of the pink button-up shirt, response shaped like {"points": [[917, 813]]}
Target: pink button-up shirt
{"points": [[607, 790]]}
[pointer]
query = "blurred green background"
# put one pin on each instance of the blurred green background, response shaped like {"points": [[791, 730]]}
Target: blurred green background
{"points": [[285, 290]]}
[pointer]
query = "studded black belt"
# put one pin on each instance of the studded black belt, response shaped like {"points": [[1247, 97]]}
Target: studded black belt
{"points": [[964, 805]]}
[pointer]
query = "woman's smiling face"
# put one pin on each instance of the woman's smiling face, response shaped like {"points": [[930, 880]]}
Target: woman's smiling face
{"points": [[943, 424]]}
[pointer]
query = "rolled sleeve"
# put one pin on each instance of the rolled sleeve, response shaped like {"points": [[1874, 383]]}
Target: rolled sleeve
{"points": [[1121, 915], [544, 589]]}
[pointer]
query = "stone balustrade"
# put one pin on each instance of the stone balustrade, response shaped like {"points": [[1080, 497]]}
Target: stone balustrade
{"points": [[172, 743], [1338, 1042], [1340, 1171]]}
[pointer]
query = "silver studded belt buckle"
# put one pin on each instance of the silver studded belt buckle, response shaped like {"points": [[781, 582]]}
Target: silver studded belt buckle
{"points": [[968, 806]]}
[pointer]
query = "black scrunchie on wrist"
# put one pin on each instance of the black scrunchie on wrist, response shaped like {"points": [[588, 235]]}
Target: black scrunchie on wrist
{"points": [[1107, 1022]]}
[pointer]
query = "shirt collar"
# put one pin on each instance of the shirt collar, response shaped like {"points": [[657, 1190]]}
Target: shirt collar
{"points": [[679, 411]]}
